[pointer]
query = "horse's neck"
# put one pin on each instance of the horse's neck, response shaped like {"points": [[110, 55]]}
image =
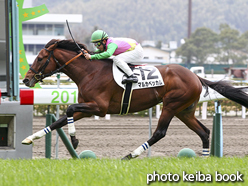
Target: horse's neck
{"points": [[84, 70]]}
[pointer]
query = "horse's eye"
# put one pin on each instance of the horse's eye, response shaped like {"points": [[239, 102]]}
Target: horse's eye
{"points": [[39, 59]]}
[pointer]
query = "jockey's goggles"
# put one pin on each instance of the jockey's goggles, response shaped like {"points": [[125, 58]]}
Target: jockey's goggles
{"points": [[97, 44]]}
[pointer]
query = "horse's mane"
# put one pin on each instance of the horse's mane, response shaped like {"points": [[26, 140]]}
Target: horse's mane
{"points": [[67, 44], [70, 45]]}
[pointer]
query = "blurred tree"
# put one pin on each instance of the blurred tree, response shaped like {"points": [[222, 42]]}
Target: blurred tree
{"points": [[243, 41], [159, 44], [229, 45], [199, 46]]}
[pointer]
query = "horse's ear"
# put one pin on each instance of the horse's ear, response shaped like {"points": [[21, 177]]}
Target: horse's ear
{"points": [[53, 46]]}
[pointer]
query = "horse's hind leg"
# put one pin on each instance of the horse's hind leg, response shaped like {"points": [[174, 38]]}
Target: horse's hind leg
{"points": [[158, 134], [187, 116]]}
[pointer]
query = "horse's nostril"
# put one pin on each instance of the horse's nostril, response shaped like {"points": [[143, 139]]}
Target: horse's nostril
{"points": [[25, 81]]}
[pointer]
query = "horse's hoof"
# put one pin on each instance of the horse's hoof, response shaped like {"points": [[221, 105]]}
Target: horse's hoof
{"points": [[127, 157], [27, 141], [74, 142]]}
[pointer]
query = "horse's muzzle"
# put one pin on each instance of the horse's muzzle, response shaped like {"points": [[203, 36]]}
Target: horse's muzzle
{"points": [[26, 82]]}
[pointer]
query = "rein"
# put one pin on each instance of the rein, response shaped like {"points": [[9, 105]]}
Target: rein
{"points": [[73, 58], [40, 75]]}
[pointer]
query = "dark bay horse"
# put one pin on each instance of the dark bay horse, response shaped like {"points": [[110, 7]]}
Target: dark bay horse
{"points": [[98, 93]]}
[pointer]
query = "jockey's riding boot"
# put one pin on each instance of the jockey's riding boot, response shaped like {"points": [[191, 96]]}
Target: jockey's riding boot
{"points": [[130, 79]]}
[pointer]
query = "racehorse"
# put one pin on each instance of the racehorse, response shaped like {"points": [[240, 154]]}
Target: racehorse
{"points": [[99, 94]]}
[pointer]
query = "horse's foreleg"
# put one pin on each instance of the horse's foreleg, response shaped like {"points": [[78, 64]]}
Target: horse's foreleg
{"points": [[159, 133], [62, 122], [75, 112], [72, 132], [57, 124], [29, 140]]}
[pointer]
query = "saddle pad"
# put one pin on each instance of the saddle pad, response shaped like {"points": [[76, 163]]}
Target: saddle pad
{"points": [[148, 76]]}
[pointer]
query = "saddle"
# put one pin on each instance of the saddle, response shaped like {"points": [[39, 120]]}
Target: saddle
{"points": [[148, 77]]}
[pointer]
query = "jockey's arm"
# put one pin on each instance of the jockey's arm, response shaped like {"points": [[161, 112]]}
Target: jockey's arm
{"points": [[106, 54]]}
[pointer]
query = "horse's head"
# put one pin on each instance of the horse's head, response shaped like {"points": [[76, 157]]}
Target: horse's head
{"points": [[45, 64], [42, 66]]}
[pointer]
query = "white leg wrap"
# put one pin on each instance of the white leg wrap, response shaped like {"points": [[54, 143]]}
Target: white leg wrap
{"points": [[205, 152], [71, 126], [40, 133], [140, 149]]}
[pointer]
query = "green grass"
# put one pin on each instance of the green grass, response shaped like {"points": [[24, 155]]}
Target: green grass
{"points": [[108, 172]]}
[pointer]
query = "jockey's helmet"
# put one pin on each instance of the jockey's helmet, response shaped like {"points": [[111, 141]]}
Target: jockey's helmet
{"points": [[98, 35]]}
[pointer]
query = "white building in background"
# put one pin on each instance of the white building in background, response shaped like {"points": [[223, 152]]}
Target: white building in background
{"points": [[39, 31], [157, 56]]}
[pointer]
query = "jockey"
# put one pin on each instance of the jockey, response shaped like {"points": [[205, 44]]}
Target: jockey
{"points": [[125, 50]]}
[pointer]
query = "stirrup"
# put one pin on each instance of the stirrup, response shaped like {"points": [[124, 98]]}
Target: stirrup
{"points": [[130, 79]]}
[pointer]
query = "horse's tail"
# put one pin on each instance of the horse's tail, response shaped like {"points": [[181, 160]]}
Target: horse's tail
{"points": [[228, 91]]}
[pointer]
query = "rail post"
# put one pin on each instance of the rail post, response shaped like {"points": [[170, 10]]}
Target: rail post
{"points": [[48, 140], [217, 133], [150, 130]]}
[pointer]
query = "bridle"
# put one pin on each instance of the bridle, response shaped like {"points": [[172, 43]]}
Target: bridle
{"points": [[39, 76]]}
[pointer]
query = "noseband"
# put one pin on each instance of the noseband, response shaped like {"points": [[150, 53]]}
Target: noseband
{"points": [[39, 76]]}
